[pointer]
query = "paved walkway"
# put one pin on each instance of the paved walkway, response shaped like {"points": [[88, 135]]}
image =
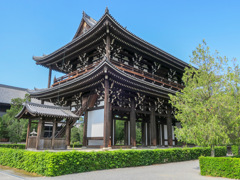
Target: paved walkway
{"points": [[188, 170]]}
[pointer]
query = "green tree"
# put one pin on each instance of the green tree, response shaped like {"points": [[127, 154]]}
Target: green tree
{"points": [[205, 106], [12, 128], [77, 132], [119, 134], [138, 133]]}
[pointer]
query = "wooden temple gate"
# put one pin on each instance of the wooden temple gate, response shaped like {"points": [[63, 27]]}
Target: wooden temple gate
{"points": [[111, 73]]}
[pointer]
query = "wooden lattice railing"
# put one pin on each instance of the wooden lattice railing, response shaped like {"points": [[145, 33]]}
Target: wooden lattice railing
{"points": [[146, 75], [75, 74]]}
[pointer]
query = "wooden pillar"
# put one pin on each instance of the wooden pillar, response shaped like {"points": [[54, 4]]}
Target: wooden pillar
{"points": [[126, 133], [144, 134], [133, 124], [69, 136], [112, 129], [67, 132], [49, 76], [39, 132], [110, 125], [157, 133], [153, 127], [53, 132], [28, 132], [163, 138], [148, 134], [169, 126], [85, 129], [114, 133], [106, 113]]}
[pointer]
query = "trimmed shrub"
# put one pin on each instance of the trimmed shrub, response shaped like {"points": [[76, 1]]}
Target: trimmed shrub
{"points": [[75, 145], [220, 151], [235, 150], [14, 146], [60, 163], [220, 166]]}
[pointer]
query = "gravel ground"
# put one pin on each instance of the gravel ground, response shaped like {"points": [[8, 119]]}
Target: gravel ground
{"points": [[188, 170]]}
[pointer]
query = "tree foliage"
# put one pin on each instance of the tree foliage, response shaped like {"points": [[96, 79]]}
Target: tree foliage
{"points": [[77, 133], [12, 128], [208, 106]]}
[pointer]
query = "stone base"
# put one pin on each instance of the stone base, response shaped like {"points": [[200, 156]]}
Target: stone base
{"points": [[134, 147], [153, 147], [84, 147]]}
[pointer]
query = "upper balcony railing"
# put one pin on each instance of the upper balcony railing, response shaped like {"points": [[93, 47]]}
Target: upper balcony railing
{"points": [[147, 76], [74, 74], [126, 68]]}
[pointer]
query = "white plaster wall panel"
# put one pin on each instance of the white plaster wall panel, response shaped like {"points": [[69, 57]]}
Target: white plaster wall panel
{"points": [[95, 123], [101, 103], [95, 142]]}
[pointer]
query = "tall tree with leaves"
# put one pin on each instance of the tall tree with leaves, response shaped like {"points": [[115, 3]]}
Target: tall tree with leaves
{"points": [[205, 106], [11, 127]]}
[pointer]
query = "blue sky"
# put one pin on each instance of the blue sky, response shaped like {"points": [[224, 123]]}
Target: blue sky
{"points": [[30, 28]]}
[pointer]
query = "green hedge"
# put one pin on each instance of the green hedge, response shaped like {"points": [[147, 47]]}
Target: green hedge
{"points": [[235, 150], [14, 146], [220, 166], [59, 163], [75, 145]]}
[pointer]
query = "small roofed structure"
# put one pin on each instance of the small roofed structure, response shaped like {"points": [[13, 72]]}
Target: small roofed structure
{"points": [[53, 129]]}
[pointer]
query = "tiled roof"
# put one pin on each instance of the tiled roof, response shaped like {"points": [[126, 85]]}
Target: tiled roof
{"points": [[7, 93], [46, 111]]}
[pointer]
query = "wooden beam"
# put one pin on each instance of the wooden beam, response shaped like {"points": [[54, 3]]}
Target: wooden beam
{"points": [[133, 124], [169, 126], [95, 138], [121, 108], [49, 76]]}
